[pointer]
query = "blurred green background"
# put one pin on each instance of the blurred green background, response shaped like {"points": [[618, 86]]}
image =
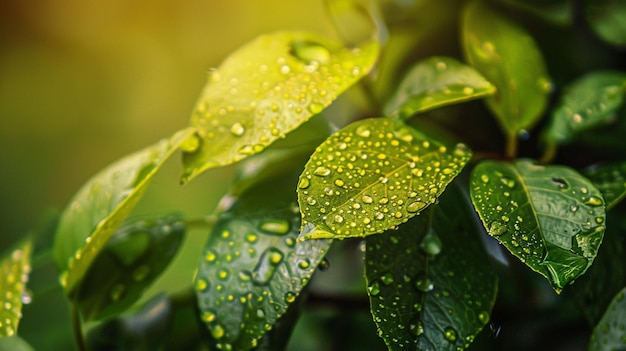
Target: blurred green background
{"points": [[83, 83]]}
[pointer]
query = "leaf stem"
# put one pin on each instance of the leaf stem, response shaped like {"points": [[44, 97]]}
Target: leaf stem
{"points": [[549, 153], [77, 328], [511, 146]]}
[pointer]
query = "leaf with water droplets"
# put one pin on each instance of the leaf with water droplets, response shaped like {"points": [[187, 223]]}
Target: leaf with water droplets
{"points": [[14, 270], [101, 205], [430, 282], [610, 179], [132, 259], [610, 333], [371, 176], [509, 58], [550, 217], [608, 20], [252, 268], [265, 90], [437, 82], [588, 102]]}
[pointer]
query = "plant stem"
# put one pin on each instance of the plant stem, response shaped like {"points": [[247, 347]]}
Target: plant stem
{"points": [[76, 326], [511, 146], [549, 153]]}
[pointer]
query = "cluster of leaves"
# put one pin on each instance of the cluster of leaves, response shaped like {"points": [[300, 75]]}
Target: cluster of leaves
{"points": [[383, 164]]}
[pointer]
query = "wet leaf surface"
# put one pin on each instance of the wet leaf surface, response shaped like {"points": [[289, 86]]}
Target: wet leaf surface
{"points": [[101, 205], [588, 102], [437, 82], [131, 260], [610, 179], [430, 282], [371, 176], [550, 217], [14, 267], [253, 269], [508, 57], [266, 89], [610, 333]]}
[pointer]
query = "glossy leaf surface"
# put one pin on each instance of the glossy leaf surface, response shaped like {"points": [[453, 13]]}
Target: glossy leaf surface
{"points": [[131, 260], [371, 176], [610, 179], [608, 20], [253, 268], [430, 283], [101, 205], [436, 82], [550, 217], [266, 89], [588, 102], [610, 333], [14, 270], [507, 56]]}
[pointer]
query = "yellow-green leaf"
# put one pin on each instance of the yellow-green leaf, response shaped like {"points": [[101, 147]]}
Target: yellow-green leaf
{"points": [[371, 176], [266, 89], [14, 267], [101, 205]]}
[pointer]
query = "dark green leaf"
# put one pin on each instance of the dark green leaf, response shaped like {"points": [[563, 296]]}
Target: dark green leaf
{"points": [[559, 12], [550, 217], [266, 89], [253, 268], [14, 343], [509, 58], [430, 282], [371, 176], [131, 260], [101, 205], [608, 20], [14, 270], [610, 179], [588, 102], [436, 82], [610, 333]]}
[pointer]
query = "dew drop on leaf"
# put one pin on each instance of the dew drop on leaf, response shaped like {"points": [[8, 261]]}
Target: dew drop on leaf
{"points": [[594, 201], [423, 283], [237, 129], [560, 182], [374, 289], [310, 52], [450, 334], [275, 226], [321, 171], [431, 244], [387, 278], [483, 317], [416, 206], [497, 228], [266, 267]]}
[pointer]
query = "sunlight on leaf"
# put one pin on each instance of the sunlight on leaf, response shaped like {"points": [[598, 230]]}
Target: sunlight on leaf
{"points": [[509, 58], [436, 82], [371, 176], [14, 267], [588, 102], [550, 217], [610, 179], [253, 269], [265, 90], [608, 19], [131, 260], [430, 283], [101, 205], [610, 333]]}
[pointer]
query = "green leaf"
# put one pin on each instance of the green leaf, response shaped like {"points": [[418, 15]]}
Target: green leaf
{"points": [[509, 58], [14, 343], [610, 333], [610, 179], [550, 217], [436, 82], [608, 20], [372, 176], [431, 284], [588, 102], [266, 89], [101, 205], [131, 260], [14, 267], [356, 21], [253, 269]]}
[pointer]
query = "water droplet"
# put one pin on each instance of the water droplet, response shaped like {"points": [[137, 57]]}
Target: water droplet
{"points": [[508, 182], [416, 206], [290, 297], [338, 219], [304, 264], [310, 52], [363, 132], [450, 334], [275, 226], [208, 316], [210, 256], [324, 264], [441, 66], [201, 284], [497, 228], [423, 283], [594, 201], [484, 178], [387, 278], [117, 292], [374, 289], [266, 266], [222, 274], [191, 144], [141, 273], [284, 69], [339, 182], [246, 150], [367, 199], [573, 208], [304, 183], [217, 331], [431, 244], [315, 108], [417, 329], [483, 317], [311, 201], [237, 129], [321, 171], [560, 182]]}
